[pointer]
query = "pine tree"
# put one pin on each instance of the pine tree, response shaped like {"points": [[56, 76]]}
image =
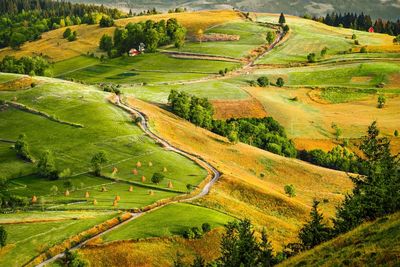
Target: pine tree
{"points": [[282, 19], [315, 231]]}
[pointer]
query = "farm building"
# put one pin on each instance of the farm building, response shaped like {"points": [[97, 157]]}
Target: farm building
{"points": [[371, 29], [133, 52]]}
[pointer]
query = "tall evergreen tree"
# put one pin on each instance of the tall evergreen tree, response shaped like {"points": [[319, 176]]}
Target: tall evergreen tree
{"points": [[282, 19], [315, 231]]}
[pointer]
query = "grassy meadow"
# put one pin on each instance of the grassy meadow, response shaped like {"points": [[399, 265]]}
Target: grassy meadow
{"points": [[146, 68], [307, 36], [170, 220], [105, 128], [251, 36], [27, 240]]}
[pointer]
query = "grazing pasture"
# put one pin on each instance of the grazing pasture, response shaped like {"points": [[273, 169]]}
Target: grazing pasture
{"points": [[27, 240], [170, 220]]}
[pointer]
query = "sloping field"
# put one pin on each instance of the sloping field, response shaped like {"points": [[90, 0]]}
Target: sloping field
{"points": [[27, 240], [371, 244], [307, 118], [250, 108], [253, 180], [307, 36], [105, 128], [56, 48]]}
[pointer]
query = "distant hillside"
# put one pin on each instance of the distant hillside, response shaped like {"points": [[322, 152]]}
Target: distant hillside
{"points": [[371, 244], [389, 9]]}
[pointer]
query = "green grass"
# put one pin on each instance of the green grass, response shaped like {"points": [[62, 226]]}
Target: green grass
{"points": [[342, 95], [148, 68], [335, 75], [226, 89], [308, 36], [106, 128], [170, 220], [6, 77], [73, 64], [371, 244], [27, 240], [251, 36]]}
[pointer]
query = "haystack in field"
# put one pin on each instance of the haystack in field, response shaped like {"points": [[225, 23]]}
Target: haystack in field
{"points": [[143, 179], [115, 203], [138, 164], [170, 184], [135, 172], [150, 164], [87, 195], [94, 202], [103, 189], [130, 189], [34, 199], [165, 169], [151, 192], [117, 198], [66, 193]]}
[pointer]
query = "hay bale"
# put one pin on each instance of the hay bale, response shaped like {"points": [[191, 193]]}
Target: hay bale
{"points": [[66, 193], [170, 184], [135, 172], [117, 198], [115, 203], [114, 170], [130, 189], [138, 164], [151, 192], [165, 169], [94, 202], [87, 195], [143, 179], [34, 199], [150, 164], [103, 189]]}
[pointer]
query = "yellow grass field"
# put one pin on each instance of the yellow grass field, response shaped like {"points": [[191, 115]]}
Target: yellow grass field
{"points": [[253, 179], [248, 108], [56, 48]]}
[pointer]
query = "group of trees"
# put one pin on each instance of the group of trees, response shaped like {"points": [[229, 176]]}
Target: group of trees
{"points": [[263, 81], [339, 158], [26, 20], [265, 133], [9, 201], [195, 232], [360, 22], [151, 34], [70, 35], [35, 65]]}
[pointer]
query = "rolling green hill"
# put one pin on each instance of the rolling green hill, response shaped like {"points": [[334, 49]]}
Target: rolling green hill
{"points": [[371, 244]]}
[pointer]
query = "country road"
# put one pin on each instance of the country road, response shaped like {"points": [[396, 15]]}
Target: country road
{"points": [[144, 125]]}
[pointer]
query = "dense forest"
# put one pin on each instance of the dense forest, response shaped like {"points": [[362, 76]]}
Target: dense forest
{"points": [[361, 22], [26, 20], [264, 133]]}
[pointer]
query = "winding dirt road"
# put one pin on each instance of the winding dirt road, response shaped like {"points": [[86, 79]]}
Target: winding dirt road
{"points": [[144, 125]]}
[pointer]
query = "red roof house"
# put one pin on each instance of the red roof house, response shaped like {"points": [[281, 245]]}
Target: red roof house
{"points": [[133, 52], [371, 29]]}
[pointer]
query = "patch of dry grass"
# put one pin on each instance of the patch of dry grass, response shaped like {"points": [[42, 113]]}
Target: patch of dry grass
{"points": [[56, 48], [248, 108]]}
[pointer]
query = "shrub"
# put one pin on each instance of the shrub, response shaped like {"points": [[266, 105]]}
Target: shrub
{"points": [[157, 178], [356, 42], [274, 148], [263, 81], [324, 51], [280, 82], [206, 227], [188, 234], [396, 133], [73, 36], [290, 190], [311, 58], [197, 232], [3, 236], [67, 33], [363, 49], [354, 36], [381, 101]]}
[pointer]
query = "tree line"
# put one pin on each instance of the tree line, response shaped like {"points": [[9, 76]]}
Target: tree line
{"points": [[360, 22], [375, 194], [149, 35], [265, 133], [26, 20], [35, 65]]}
